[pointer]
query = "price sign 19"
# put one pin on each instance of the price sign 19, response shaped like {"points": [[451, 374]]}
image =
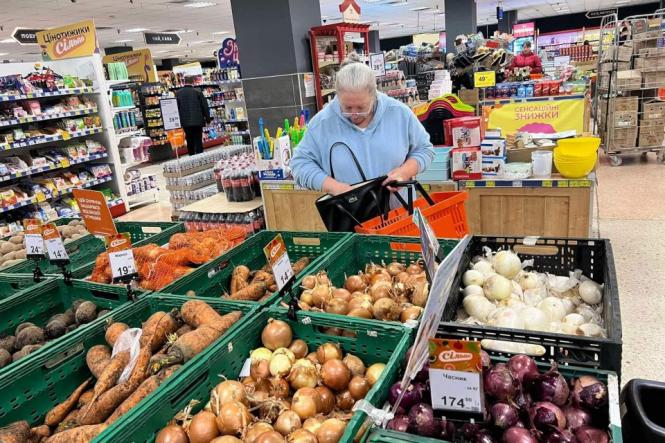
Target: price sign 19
{"points": [[122, 264], [278, 258]]}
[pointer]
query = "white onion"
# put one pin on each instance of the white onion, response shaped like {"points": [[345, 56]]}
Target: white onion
{"points": [[534, 319], [553, 308], [534, 296], [506, 318], [590, 292], [507, 263], [517, 289], [591, 330], [473, 290], [570, 323], [472, 277], [589, 314], [484, 267], [529, 280], [514, 302], [568, 305], [478, 306], [556, 327], [497, 287]]}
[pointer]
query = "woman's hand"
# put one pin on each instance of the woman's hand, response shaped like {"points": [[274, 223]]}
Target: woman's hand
{"points": [[333, 187], [396, 175], [406, 171]]}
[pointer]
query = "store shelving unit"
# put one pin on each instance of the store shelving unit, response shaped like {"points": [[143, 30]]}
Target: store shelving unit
{"points": [[628, 106]]}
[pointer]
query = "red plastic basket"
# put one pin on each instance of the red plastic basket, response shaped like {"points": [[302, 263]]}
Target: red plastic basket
{"points": [[446, 216]]}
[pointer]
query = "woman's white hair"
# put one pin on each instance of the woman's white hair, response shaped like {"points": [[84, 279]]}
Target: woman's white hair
{"points": [[355, 75]]}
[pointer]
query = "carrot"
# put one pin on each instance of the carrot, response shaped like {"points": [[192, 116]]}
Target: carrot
{"points": [[39, 433], [183, 330], [263, 276], [99, 410], [239, 278], [300, 265], [198, 313], [149, 384], [82, 434], [111, 373], [86, 397], [139, 373], [252, 292], [114, 331], [97, 358], [71, 421], [17, 432], [157, 328], [57, 414]]}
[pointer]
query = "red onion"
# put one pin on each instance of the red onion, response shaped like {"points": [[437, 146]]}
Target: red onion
{"points": [[521, 365], [550, 386], [484, 436], [422, 375], [399, 423], [576, 417], [468, 431], [587, 434], [547, 416], [447, 430], [518, 435], [499, 383], [503, 415], [560, 437], [412, 395], [422, 421], [590, 392], [485, 361]]}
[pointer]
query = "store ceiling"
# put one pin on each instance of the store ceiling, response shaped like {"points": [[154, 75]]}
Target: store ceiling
{"points": [[202, 28]]}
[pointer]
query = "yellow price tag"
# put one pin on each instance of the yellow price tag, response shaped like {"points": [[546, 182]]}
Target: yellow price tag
{"points": [[65, 135], [40, 197], [470, 184], [490, 184], [547, 183], [484, 79], [565, 184], [64, 163]]}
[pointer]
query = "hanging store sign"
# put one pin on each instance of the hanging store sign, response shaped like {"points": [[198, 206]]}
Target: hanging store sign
{"points": [[75, 40], [161, 38], [139, 64], [26, 36], [600, 13], [546, 116], [524, 29], [227, 56], [95, 212]]}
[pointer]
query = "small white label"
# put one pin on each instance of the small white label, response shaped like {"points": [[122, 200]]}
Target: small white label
{"points": [[517, 183], [244, 372], [282, 270], [229, 347], [34, 244], [56, 249], [306, 321], [122, 263], [456, 390]]}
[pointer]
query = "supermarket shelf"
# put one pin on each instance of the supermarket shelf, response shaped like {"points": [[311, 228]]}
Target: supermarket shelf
{"points": [[128, 132], [44, 117], [62, 165], [218, 204], [49, 139], [213, 142], [123, 108], [533, 99], [236, 132], [528, 183], [116, 202], [118, 82], [33, 200], [59, 93]]}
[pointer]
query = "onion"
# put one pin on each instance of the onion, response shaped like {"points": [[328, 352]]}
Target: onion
{"points": [[203, 427], [313, 357], [576, 417], [472, 277], [355, 365], [528, 280], [380, 276], [485, 360], [360, 313], [546, 415], [270, 437], [301, 436], [303, 375], [276, 334], [590, 292], [568, 305], [355, 283], [225, 392], [260, 369], [549, 387], [535, 319], [506, 318], [521, 366], [534, 296], [260, 354], [591, 330], [233, 418], [380, 289], [335, 375], [305, 402], [419, 293], [328, 351], [320, 295], [497, 287], [172, 434], [590, 392], [399, 423], [484, 436], [503, 415], [587, 434], [322, 278], [473, 290], [499, 383], [287, 422], [312, 424], [412, 395], [280, 365], [447, 430], [560, 437], [414, 269], [507, 263], [410, 313], [330, 431], [226, 439], [553, 308], [306, 297], [422, 421], [358, 387], [309, 281], [395, 268], [345, 401], [332, 331], [374, 372], [337, 306], [484, 267], [341, 293], [518, 435], [255, 430], [386, 309], [362, 301], [478, 306], [299, 348], [402, 277], [279, 388], [327, 399]]}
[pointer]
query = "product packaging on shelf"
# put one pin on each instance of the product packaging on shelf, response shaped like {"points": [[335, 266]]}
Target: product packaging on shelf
{"points": [[492, 165], [463, 132], [493, 147], [466, 163]]}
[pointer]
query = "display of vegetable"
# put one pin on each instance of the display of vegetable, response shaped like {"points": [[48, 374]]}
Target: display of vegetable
{"points": [[498, 291], [522, 405], [158, 266], [29, 337], [293, 393], [93, 406], [391, 293]]}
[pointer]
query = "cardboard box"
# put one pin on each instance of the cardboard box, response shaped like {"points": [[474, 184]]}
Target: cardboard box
{"points": [[469, 96], [652, 123], [622, 80], [654, 79], [467, 163], [493, 147], [621, 53], [653, 110], [620, 104], [620, 119], [623, 138], [620, 66], [491, 165], [648, 140], [463, 132]]}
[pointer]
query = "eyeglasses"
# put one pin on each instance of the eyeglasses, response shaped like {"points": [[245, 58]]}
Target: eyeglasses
{"points": [[359, 114]]}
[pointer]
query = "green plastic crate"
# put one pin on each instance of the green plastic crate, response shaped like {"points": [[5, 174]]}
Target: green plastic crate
{"points": [[213, 278], [85, 250], [32, 388], [361, 250], [375, 343], [40, 302], [11, 283]]}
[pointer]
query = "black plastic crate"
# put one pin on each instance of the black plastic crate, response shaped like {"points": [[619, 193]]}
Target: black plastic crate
{"points": [[556, 256]]}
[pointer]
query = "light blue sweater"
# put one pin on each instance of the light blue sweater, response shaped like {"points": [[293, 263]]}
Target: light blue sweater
{"points": [[393, 136]]}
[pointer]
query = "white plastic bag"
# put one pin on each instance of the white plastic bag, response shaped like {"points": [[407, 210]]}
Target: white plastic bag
{"points": [[128, 341]]}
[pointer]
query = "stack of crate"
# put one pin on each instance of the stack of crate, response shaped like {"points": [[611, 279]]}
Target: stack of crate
{"points": [[651, 61], [621, 122], [652, 124]]}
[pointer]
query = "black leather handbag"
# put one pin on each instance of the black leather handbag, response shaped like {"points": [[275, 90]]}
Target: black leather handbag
{"points": [[367, 199]]}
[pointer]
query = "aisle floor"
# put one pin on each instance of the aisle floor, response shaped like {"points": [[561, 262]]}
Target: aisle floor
{"points": [[631, 213]]}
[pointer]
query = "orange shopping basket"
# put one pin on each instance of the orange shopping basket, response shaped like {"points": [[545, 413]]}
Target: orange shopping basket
{"points": [[443, 210]]}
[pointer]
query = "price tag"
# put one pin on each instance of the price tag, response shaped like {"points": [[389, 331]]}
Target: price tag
{"points": [[55, 248], [428, 242], [64, 163], [121, 256], [65, 135], [455, 375], [278, 258], [170, 114], [32, 238], [484, 79]]}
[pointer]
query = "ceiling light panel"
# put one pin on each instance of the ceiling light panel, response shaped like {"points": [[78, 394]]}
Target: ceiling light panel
{"points": [[199, 5]]}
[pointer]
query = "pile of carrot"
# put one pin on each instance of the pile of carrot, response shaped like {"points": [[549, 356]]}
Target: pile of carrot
{"points": [[168, 340], [157, 266]]}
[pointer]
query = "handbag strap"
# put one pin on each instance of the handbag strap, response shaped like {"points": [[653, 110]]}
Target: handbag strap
{"points": [[410, 184], [355, 160]]}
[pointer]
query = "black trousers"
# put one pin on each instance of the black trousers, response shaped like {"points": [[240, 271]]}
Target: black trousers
{"points": [[194, 138]]}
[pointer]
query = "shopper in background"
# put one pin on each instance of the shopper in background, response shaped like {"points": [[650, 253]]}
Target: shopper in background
{"points": [[194, 114], [383, 133], [528, 58]]}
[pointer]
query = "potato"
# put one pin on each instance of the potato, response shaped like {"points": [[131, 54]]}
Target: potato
{"points": [[86, 312], [9, 263], [76, 303], [25, 351], [22, 326], [5, 358], [20, 255], [9, 256], [60, 228], [7, 343], [55, 328], [6, 248], [75, 236], [68, 231], [16, 239], [32, 335]]}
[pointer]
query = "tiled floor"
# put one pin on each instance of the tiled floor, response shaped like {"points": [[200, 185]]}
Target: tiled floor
{"points": [[631, 213]]}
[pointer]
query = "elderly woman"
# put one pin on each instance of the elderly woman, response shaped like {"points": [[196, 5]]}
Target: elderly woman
{"points": [[382, 133]]}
